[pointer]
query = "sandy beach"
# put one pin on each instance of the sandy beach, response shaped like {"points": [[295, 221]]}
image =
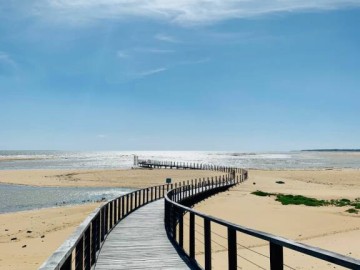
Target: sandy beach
{"points": [[37, 234], [28, 238], [132, 178], [327, 227]]}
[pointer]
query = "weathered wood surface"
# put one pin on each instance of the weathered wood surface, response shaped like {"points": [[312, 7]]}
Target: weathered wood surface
{"points": [[140, 242]]}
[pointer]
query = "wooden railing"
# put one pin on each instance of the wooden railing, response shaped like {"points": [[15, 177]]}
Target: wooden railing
{"points": [[186, 165], [80, 251], [177, 201]]}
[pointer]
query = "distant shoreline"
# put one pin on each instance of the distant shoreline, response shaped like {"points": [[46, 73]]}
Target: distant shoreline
{"points": [[331, 150]]}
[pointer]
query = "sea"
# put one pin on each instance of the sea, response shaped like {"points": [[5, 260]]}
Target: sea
{"points": [[28, 160], [15, 198]]}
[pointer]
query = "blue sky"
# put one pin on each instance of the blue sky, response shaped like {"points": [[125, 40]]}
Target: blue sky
{"points": [[186, 75]]}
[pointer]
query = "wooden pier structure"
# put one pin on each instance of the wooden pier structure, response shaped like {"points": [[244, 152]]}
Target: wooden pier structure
{"points": [[140, 242], [144, 229], [155, 164]]}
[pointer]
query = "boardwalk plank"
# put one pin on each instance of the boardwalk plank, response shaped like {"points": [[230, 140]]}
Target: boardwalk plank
{"points": [[140, 242]]}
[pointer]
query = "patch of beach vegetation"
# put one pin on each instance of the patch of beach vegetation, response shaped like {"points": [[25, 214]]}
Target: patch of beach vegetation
{"points": [[288, 199]]}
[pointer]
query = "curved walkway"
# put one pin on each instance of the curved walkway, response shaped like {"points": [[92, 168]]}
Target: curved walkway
{"points": [[140, 242]]}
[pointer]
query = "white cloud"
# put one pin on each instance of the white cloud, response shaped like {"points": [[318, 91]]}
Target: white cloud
{"points": [[153, 50], [178, 11], [151, 72], [166, 38], [101, 136]]}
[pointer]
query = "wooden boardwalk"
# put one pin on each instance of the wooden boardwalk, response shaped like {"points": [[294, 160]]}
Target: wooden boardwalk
{"points": [[140, 242]]}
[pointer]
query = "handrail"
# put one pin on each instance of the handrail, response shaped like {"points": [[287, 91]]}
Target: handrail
{"points": [[81, 249], [175, 211]]}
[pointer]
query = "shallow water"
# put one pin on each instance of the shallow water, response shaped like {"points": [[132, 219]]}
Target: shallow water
{"points": [[15, 198]]}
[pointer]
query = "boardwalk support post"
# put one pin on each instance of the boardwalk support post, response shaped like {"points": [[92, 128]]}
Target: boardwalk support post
{"points": [[276, 257], [192, 236], [207, 243], [232, 249], [181, 228]]}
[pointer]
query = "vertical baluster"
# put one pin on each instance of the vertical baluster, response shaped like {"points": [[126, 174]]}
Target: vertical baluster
{"points": [[123, 206], [174, 210], [144, 194], [102, 223], [207, 243], [87, 251], [106, 218], [79, 256], [67, 263], [232, 249], [192, 236], [131, 201], [276, 257], [110, 215], [181, 228], [127, 203]]}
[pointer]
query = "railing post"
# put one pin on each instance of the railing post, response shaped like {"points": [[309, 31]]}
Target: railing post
{"points": [[114, 212], [181, 228], [119, 209], [276, 257], [166, 217], [67, 263], [232, 249], [131, 202], [87, 250], [207, 243], [106, 218], [102, 224], [173, 221], [79, 255], [122, 206], [127, 204], [143, 196], [94, 239], [110, 216], [192, 236]]}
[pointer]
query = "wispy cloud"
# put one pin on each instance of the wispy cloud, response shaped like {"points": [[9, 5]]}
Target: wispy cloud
{"points": [[154, 50], [151, 72], [195, 62], [101, 136], [181, 11], [123, 54], [166, 38]]}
